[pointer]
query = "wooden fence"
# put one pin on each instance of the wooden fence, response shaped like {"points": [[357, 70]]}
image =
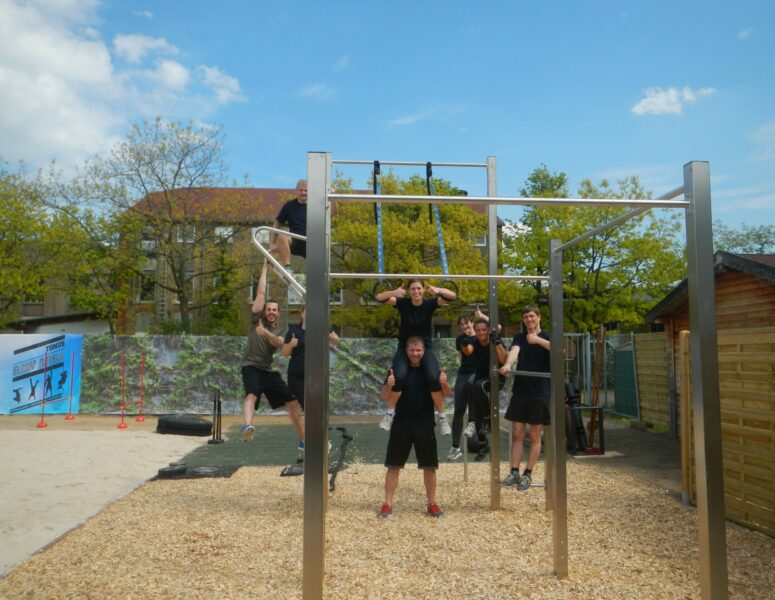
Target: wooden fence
{"points": [[651, 364], [747, 388]]}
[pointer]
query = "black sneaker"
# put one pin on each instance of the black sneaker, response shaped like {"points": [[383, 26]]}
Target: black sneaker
{"points": [[482, 454], [524, 482], [512, 479], [485, 428]]}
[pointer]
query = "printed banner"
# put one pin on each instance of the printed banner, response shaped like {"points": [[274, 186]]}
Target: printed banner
{"points": [[41, 373]]}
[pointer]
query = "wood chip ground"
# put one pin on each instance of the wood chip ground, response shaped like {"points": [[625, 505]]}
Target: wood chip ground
{"points": [[242, 537]]}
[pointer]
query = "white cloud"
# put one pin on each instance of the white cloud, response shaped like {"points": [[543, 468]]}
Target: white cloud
{"points": [[413, 118], [342, 63], [317, 91], [226, 87], [133, 48], [145, 14], [670, 101], [764, 140], [63, 96], [744, 34]]}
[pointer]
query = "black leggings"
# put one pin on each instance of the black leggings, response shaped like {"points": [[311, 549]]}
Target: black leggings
{"points": [[461, 403], [430, 366], [479, 399]]}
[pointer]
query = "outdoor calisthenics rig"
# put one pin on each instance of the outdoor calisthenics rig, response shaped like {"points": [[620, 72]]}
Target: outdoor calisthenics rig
{"points": [[704, 359]]}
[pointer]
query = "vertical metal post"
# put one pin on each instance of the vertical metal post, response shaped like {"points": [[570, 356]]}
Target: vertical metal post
{"points": [[492, 262], [316, 375], [705, 386], [559, 488]]}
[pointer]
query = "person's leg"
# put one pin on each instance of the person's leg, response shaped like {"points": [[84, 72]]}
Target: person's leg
{"points": [[283, 244], [460, 410], [252, 385], [294, 412], [248, 409], [430, 366], [429, 478], [535, 445], [517, 443], [400, 367], [391, 483], [480, 391]]}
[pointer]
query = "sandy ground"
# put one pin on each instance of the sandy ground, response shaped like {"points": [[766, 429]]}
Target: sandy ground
{"points": [[54, 479]]}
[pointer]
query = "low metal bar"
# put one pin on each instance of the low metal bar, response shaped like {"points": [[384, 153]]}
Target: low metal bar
{"points": [[539, 374], [510, 201], [290, 280], [284, 232], [621, 219], [406, 163], [436, 276]]}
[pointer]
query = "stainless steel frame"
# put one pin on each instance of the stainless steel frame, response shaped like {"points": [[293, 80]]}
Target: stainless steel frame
{"points": [[492, 269], [288, 277], [711, 520]]}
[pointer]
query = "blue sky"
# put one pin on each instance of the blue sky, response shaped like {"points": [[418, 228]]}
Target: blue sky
{"points": [[594, 88]]}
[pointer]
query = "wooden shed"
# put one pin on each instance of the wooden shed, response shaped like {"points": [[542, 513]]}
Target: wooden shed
{"points": [[745, 319]]}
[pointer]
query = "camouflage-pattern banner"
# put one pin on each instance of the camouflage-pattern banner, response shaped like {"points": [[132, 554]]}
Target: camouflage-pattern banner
{"points": [[180, 373]]}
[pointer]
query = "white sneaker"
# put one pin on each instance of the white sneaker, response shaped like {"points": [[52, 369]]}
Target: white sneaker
{"points": [[444, 425], [387, 421], [454, 453], [248, 431], [470, 429]]}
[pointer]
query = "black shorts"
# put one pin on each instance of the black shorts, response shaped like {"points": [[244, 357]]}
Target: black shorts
{"points": [[400, 444], [298, 247], [296, 385], [269, 383], [533, 410]]}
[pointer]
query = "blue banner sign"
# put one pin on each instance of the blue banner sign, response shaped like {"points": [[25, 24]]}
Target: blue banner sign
{"points": [[40, 369]]}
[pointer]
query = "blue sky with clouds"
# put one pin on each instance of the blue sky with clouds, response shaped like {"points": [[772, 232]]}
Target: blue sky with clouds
{"points": [[594, 88]]}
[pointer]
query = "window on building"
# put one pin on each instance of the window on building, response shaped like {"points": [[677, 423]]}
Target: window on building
{"points": [[146, 288]]}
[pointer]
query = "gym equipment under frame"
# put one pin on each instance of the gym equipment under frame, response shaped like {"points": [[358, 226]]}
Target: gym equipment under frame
{"points": [[707, 419]]}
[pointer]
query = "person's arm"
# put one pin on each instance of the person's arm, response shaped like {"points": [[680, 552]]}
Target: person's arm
{"points": [[275, 340], [390, 296], [534, 338], [444, 295], [478, 314], [333, 339], [289, 344], [500, 351], [446, 389], [387, 388], [260, 300], [510, 360], [467, 348]]}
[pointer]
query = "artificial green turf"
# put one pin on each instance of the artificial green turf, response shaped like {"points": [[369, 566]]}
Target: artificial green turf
{"points": [[276, 445]]}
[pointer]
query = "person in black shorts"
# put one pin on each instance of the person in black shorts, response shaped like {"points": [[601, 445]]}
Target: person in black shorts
{"points": [[294, 347], [258, 373], [416, 319], [530, 395], [413, 426], [293, 214]]}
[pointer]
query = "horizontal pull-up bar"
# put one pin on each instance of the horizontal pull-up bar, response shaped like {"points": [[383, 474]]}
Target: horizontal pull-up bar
{"points": [[436, 276], [404, 163], [613, 222], [507, 201]]}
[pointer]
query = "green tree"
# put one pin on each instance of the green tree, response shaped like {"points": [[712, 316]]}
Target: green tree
{"points": [[748, 239], [154, 184], [616, 275], [32, 242], [410, 246]]}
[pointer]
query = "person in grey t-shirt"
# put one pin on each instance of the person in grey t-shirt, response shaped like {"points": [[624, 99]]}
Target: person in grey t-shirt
{"points": [[258, 373]]}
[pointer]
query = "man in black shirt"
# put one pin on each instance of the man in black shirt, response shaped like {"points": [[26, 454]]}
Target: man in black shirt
{"points": [[413, 426], [530, 394], [293, 214]]}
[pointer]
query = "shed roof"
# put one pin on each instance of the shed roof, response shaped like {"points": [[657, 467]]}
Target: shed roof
{"points": [[756, 265]]}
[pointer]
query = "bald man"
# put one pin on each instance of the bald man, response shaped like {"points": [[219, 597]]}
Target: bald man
{"points": [[293, 214]]}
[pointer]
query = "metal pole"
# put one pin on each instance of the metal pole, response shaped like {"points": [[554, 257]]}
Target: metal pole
{"points": [[465, 276], [404, 163], [508, 200], [316, 375], [559, 486], [492, 269], [705, 385]]}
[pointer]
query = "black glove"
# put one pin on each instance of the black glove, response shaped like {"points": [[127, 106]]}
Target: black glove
{"points": [[495, 337]]}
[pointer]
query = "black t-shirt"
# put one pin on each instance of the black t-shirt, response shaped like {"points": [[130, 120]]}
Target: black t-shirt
{"points": [[415, 406], [294, 215], [296, 363], [532, 357], [467, 363], [416, 320], [481, 357]]}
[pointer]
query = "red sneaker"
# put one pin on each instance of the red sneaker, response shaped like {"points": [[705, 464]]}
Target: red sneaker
{"points": [[385, 511], [434, 510]]}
